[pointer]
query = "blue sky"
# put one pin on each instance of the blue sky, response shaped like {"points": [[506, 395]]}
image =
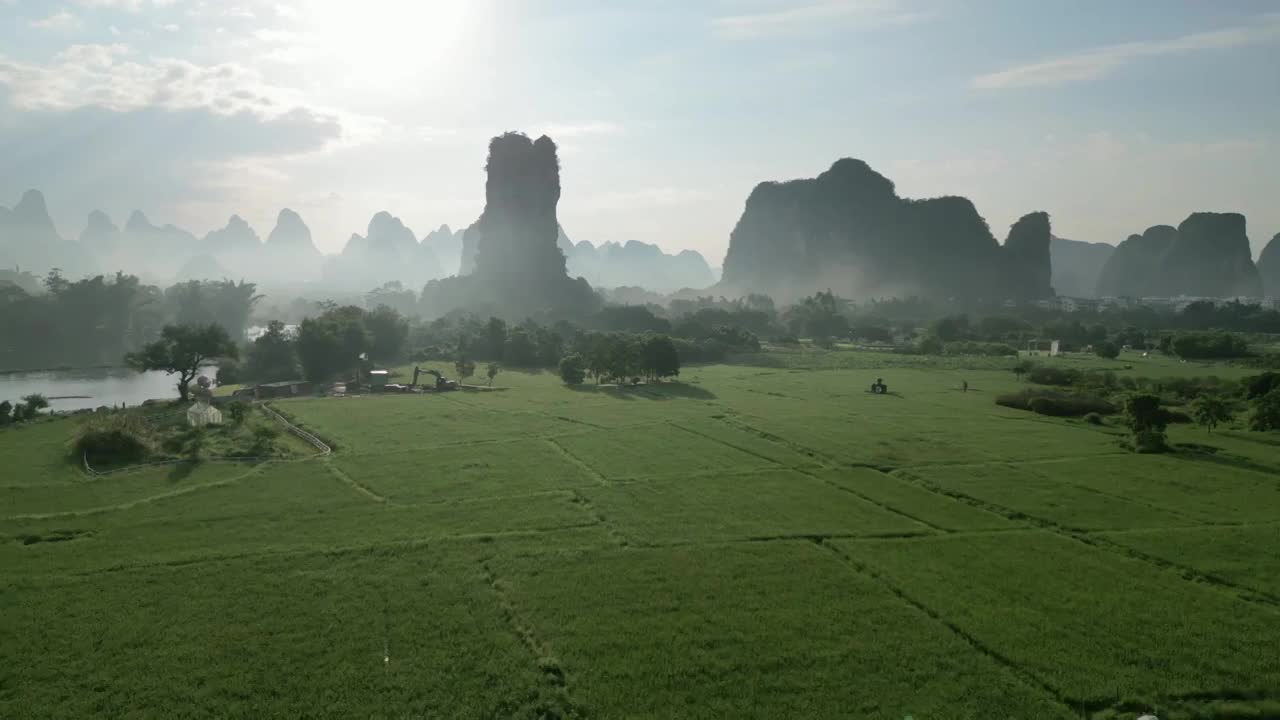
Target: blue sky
{"points": [[1111, 116]]}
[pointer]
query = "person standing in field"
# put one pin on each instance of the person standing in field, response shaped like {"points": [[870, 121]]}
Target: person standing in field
{"points": [[964, 386]]}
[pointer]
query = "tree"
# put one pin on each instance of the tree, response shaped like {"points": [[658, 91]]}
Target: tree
{"points": [[491, 370], [658, 357], [1022, 367], [495, 338], [5, 408], [1147, 422], [30, 407], [1266, 412], [272, 357], [1106, 349], [184, 349], [465, 366], [1209, 411], [573, 369], [931, 345], [388, 333], [332, 343]]}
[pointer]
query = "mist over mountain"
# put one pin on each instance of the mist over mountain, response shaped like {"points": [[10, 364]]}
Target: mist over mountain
{"points": [[388, 251], [1269, 267], [447, 247], [849, 231], [639, 264], [519, 267], [1077, 266], [1207, 255], [28, 238]]}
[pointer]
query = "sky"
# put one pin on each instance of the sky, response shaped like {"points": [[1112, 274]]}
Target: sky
{"points": [[1111, 116]]}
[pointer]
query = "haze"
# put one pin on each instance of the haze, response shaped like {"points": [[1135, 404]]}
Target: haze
{"points": [[1112, 117]]}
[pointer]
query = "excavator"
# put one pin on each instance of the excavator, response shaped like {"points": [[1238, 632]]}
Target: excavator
{"points": [[442, 383]]}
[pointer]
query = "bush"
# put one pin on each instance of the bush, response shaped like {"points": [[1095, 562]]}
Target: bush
{"points": [[1107, 349], [988, 349], [1259, 385], [1266, 412], [264, 437], [1147, 421], [1041, 375], [114, 438], [1209, 345], [931, 345], [228, 372], [1055, 404], [573, 369], [238, 410], [1093, 418]]}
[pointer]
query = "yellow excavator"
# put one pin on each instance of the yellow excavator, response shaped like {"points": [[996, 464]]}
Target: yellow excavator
{"points": [[442, 383]]}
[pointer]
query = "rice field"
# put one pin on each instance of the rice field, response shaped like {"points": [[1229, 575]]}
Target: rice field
{"points": [[755, 541]]}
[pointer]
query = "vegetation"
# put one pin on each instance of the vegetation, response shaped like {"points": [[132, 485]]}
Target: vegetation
{"points": [[184, 349], [1210, 411], [1147, 422], [774, 513]]}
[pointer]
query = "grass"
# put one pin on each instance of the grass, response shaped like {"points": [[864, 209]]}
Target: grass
{"points": [[756, 540]]}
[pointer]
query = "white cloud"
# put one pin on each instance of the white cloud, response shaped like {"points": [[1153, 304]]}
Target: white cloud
{"points": [[109, 77], [126, 5], [653, 197], [61, 21], [1098, 62], [170, 27], [814, 16]]}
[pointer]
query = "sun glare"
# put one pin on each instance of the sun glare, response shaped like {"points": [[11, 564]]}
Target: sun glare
{"points": [[383, 44]]}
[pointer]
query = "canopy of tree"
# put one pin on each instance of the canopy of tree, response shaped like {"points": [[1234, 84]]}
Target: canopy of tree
{"points": [[184, 349]]}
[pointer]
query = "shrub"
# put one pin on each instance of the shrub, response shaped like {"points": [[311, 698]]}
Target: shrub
{"points": [[5, 408], [1056, 404], [238, 410], [1107, 349], [228, 372], [1147, 421], [1259, 385], [264, 437], [1266, 412], [931, 345], [113, 438], [1207, 345], [1093, 418], [988, 349], [1041, 375], [573, 369]]}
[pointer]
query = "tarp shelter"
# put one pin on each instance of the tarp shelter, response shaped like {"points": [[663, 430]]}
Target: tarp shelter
{"points": [[201, 414]]}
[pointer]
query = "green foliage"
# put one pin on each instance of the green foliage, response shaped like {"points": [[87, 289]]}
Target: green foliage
{"points": [[817, 316], [1266, 412], [465, 367], [1054, 403], [931, 345], [183, 349], [1210, 411], [1209, 345], [113, 439], [388, 333], [1146, 421], [273, 356], [1107, 350], [238, 410], [1093, 418], [6, 409], [491, 370], [331, 345], [1049, 375], [659, 358], [1259, 385], [228, 372], [970, 347], [573, 369]]}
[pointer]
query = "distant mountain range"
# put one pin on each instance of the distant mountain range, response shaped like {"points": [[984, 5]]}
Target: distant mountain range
{"points": [[388, 251], [846, 230]]}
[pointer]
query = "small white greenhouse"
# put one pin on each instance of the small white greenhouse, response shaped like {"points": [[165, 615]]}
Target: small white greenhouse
{"points": [[201, 414]]}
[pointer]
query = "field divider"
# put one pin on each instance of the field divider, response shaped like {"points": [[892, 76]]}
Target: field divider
{"points": [[101, 509], [1097, 542], [599, 518], [822, 458], [727, 444], [1026, 676], [873, 501], [316, 442], [549, 666], [577, 461], [353, 484]]}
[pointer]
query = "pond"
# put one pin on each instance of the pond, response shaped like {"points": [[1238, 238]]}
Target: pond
{"points": [[90, 387]]}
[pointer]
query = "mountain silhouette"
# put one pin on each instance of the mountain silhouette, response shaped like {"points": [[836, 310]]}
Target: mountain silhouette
{"points": [[848, 230]]}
